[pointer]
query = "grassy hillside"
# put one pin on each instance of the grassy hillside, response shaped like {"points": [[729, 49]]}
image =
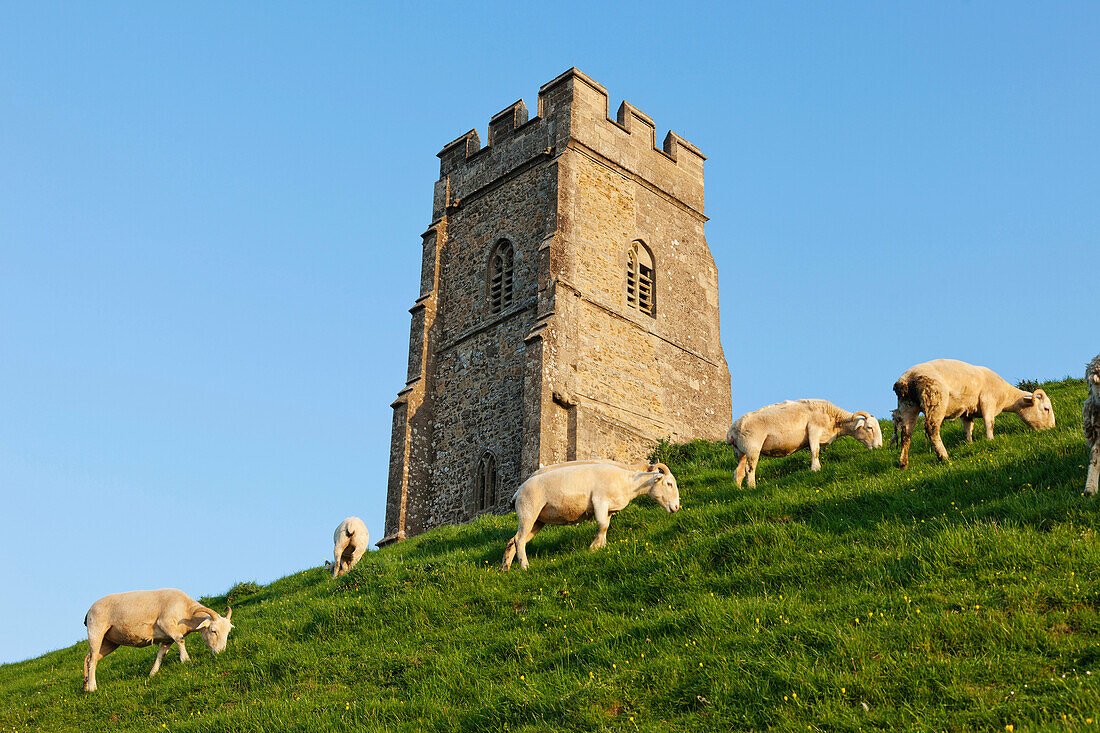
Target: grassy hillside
{"points": [[960, 596]]}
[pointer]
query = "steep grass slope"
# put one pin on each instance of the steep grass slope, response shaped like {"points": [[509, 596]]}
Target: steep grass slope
{"points": [[956, 596]]}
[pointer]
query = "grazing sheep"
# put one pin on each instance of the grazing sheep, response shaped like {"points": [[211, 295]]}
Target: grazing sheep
{"points": [[350, 542], [144, 617], [947, 388], [568, 493], [783, 428], [1091, 419]]}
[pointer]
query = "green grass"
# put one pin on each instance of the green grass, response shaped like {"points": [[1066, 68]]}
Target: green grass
{"points": [[958, 596]]}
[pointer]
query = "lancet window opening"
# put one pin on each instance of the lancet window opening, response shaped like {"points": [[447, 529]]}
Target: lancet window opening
{"points": [[501, 276], [486, 483], [640, 290]]}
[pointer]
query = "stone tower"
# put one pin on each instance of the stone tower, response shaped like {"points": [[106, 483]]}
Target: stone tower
{"points": [[568, 307]]}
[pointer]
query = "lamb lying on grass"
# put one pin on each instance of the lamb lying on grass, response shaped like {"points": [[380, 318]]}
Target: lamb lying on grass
{"points": [[144, 617]]}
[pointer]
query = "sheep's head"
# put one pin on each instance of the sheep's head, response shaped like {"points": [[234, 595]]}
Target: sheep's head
{"points": [[664, 490], [1037, 411], [215, 631], [866, 430]]}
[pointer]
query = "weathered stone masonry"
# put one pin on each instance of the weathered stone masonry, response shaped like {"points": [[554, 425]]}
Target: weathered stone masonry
{"points": [[582, 360]]}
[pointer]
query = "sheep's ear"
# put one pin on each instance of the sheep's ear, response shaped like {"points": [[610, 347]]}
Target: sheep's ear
{"points": [[205, 624], [1030, 399], [861, 421]]}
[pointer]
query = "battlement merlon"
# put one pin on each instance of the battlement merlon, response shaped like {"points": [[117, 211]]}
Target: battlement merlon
{"points": [[571, 107]]}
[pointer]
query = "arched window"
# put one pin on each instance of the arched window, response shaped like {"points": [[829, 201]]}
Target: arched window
{"points": [[486, 483], [500, 276], [639, 279]]}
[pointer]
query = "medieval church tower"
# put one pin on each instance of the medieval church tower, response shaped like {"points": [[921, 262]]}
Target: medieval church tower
{"points": [[568, 307]]}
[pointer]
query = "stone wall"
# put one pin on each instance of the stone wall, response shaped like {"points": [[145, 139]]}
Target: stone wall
{"points": [[478, 384], [569, 370]]}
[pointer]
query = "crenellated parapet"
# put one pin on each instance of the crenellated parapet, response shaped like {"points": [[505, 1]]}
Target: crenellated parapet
{"points": [[572, 112]]}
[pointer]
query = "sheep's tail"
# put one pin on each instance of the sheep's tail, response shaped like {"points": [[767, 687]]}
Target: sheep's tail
{"points": [[919, 390], [901, 389]]}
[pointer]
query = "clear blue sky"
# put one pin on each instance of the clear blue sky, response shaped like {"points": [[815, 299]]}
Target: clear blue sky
{"points": [[210, 220]]}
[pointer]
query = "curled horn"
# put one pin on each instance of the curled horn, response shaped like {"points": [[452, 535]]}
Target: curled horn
{"points": [[203, 610], [660, 467]]}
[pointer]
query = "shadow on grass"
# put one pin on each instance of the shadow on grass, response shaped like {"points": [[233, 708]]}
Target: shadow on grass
{"points": [[1044, 495]]}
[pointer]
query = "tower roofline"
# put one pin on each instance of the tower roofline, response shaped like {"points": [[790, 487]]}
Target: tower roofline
{"points": [[573, 107]]}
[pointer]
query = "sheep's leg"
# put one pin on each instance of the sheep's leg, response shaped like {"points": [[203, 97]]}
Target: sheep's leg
{"points": [[183, 649], [509, 553], [87, 662], [338, 556], [96, 650], [814, 439], [603, 521], [528, 526], [160, 658], [356, 556], [742, 460], [1091, 483], [968, 428], [932, 423], [988, 417], [521, 546], [513, 544], [750, 471], [750, 466], [905, 421]]}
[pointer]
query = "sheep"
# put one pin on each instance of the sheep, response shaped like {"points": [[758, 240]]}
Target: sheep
{"points": [[570, 492], [947, 388], [1090, 414], [786, 427], [143, 617], [350, 542]]}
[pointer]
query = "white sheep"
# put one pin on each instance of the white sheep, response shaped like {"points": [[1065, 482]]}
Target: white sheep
{"points": [[144, 617], [567, 493], [350, 541], [786, 427], [947, 388]]}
